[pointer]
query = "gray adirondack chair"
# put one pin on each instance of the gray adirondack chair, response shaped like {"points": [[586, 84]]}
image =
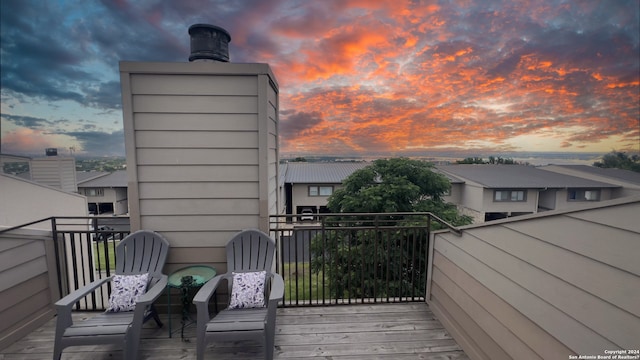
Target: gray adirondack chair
{"points": [[140, 252], [248, 251]]}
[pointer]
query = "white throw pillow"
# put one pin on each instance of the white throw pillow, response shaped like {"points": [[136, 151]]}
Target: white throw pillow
{"points": [[126, 290], [248, 290]]}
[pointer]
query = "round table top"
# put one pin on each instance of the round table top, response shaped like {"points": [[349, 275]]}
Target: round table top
{"points": [[200, 273]]}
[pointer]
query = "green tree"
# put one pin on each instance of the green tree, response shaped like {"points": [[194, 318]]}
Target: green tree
{"points": [[619, 160], [389, 185], [472, 160], [358, 258]]}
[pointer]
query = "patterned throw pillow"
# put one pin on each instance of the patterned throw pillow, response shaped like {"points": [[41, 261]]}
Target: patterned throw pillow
{"points": [[126, 290], [248, 290]]}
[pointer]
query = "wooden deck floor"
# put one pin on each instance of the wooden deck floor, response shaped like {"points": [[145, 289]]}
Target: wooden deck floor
{"points": [[383, 331]]}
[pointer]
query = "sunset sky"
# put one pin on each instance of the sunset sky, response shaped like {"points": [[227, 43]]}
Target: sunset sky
{"points": [[355, 76]]}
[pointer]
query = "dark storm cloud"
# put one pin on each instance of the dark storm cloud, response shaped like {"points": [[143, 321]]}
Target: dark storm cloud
{"points": [[47, 59], [357, 74], [296, 123], [27, 121], [98, 142]]}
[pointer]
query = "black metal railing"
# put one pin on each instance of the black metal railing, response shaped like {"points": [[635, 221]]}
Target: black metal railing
{"points": [[88, 253], [325, 259], [85, 251], [332, 259]]}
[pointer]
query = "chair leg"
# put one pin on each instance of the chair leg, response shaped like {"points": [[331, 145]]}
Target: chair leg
{"points": [[269, 343], [57, 350], [200, 346], [154, 313], [130, 349], [57, 344]]}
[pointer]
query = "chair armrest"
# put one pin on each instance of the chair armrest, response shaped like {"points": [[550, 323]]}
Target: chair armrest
{"points": [[275, 295], [277, 289], [146, 300], [202, 297], [69, 300], [64, 305], [206, 291], [152, 294]]}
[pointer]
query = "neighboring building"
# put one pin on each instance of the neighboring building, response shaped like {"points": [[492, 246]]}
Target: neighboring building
{"points": [[484, 192], [8, 159], [490, 192], [52, 170], [106, 192], [23, 201], [627, 179], [308, 185]]}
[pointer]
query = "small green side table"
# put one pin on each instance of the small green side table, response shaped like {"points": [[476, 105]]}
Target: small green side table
{"points": [[187, 279]]}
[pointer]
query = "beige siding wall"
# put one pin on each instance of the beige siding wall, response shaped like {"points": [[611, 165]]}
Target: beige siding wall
{"points": [[544, 286], [202, 153], [547, 199], [55, 171], [456, 194], [273, 150], [121, 206], [472, 196], [23, 201], [28, 286]]}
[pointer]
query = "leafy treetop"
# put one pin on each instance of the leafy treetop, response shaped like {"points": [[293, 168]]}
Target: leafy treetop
{"points": [[396, 185], [619, 160]]}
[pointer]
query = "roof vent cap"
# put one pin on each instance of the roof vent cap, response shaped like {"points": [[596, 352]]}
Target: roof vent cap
{"points": [[209, 43]]}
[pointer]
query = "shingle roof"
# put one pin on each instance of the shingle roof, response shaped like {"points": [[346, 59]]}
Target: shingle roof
{"points": [[618, 174], [519, 177], [320, 173], [115, 179], [82, 176]]}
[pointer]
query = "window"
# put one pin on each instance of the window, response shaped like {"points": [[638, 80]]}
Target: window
{"points": [[315, 190], [509, 195], [583, 195], [94, 192]]}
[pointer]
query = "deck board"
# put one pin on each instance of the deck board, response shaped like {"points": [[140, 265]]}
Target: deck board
{"points": [[345, 332]]}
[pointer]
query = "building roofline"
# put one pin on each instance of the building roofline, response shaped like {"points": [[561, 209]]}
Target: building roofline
{"points": [[540, 215], [42, 185]]}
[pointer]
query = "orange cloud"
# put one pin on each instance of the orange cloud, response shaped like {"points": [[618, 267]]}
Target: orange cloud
{"points": [[24, 141]]}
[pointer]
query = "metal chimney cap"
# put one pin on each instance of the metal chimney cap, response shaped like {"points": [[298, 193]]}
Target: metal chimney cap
{"points": [[209, 42], [195, 27]]}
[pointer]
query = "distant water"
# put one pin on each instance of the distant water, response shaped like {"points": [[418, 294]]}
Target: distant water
{"points": [[556, 161], [532, 158]]}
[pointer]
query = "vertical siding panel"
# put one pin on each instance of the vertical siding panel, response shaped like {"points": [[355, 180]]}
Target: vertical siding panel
{"points": [[263, 150], [128, 114]]}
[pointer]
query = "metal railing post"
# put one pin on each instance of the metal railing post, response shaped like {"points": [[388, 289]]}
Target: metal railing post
{"points": [[60, 261]]}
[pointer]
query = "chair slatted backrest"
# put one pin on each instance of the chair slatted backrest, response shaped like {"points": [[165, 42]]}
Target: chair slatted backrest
{"points": [[250, 250], [141, 252]]}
